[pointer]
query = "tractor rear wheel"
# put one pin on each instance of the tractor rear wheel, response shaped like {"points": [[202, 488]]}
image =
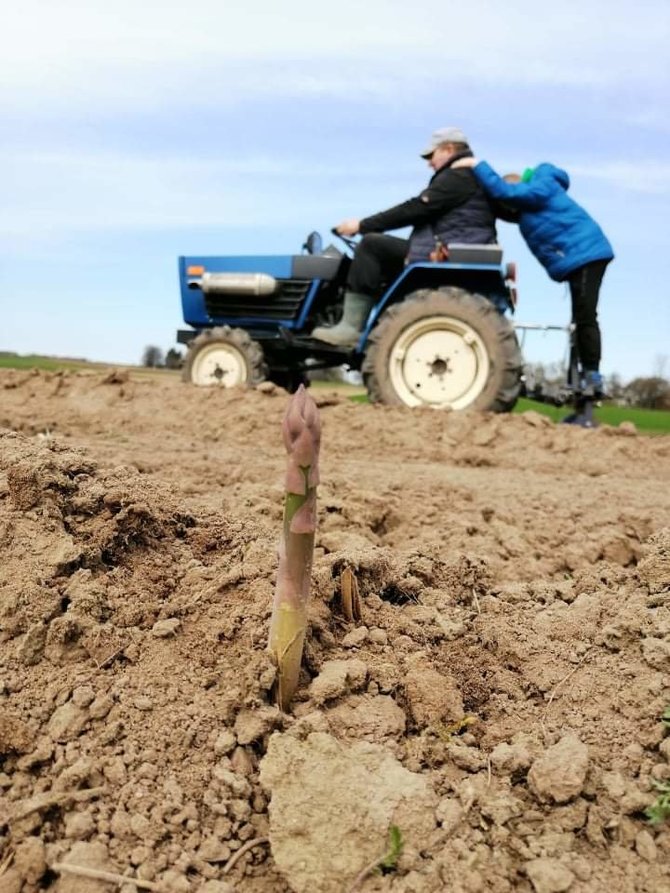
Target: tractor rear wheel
{"points": [[225, 357], [444, 348]]}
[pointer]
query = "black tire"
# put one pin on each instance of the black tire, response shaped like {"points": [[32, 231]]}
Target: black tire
{"points": [[225, 357], [445, 348]]}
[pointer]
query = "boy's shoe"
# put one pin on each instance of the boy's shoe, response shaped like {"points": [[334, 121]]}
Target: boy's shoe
{"points": [[582, 420], [593, 385]]}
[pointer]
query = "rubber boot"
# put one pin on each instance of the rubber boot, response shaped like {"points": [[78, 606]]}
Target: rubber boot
{"points": [[592, 385], [348, 330]]}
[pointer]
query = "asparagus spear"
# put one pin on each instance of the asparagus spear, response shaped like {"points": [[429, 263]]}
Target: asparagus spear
{"points": [[301, 430]]}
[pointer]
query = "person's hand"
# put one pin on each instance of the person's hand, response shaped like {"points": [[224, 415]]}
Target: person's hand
{"points": [[464, 162], [348, 227]]}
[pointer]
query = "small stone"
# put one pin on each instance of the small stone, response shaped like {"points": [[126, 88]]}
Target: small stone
{"points": [[175, 882], [212, 849], [15, 735], [251, 725], [645, 846], [67, 722], [100, 707], [142, 702], [469, 758], [581, 867], [614, 784], [371, 718], [241, 762], [510, 758], [449, 814], [635, 801], [115, 771], [79, 825], [559, 774], [355, 638], [656, 652], [378, 636], [83, 695], [32, 646], [140, 826], [164, 628], [549, 876], [501, 809], [41, 754], [30, 859], [338, 677], [432, 697], [225, 742]]}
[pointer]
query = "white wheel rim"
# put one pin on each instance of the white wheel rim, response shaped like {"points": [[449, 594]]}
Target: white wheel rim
{"points": [[439, 361], [219, 364]]}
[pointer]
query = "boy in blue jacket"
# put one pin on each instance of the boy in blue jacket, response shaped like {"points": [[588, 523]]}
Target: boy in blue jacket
{"points": [[567, 242]]}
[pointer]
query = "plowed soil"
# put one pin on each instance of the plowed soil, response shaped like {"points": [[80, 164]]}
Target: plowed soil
{"points": [[499, 701]]}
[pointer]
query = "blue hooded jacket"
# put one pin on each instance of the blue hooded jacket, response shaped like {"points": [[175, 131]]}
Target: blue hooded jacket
{"points": [[557, 230]]}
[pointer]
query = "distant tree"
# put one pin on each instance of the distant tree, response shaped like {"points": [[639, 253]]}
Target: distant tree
{"points": [[660, 365], [174, 359], [152, 356], [615, 388], [649, 393]]}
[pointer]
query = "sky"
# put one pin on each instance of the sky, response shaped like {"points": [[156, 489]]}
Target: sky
{"points": [[134, 133]]}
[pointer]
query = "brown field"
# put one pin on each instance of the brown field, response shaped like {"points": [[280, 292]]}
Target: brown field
{"points": [[500, 701]]}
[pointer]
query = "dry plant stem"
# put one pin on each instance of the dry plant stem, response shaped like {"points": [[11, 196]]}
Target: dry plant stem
{"points": [[98, 875], [301, 432], [46, 801], [351, 599], [242, 850], [364, 872], [559, 684], [4, 865], [476, 601]]}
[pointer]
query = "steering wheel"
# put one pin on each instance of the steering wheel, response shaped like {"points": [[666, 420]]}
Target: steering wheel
{"points": [[350, 243]]}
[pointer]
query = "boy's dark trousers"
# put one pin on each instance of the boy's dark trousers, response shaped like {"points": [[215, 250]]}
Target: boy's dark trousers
{"points": [[584, 290]]}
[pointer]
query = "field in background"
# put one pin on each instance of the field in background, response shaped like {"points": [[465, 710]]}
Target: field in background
{"points": [[649, 421], [33, 361]]}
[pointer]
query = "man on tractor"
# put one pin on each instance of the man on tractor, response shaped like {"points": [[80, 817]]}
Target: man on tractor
{"points": [[452, 208]]}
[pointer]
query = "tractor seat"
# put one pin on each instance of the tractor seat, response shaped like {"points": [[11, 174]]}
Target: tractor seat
{"points": [[461, 253]]}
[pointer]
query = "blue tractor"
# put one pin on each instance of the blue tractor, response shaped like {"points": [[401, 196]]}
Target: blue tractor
{"points": [[439, 335]]}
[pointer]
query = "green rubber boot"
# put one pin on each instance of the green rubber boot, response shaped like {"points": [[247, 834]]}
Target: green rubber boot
{"points": [[348, 330]]}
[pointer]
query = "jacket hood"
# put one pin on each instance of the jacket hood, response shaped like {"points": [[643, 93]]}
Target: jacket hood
{"points": [[557, 173]]}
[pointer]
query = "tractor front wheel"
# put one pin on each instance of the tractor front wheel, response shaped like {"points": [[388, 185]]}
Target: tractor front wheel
{"points": [[444, 348], [225, 357]]}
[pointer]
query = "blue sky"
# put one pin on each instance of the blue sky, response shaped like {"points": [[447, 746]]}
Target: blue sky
{"points": [[133, 133]]}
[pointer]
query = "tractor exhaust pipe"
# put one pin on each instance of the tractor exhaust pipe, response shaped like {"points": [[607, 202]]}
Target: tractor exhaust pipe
{"points": [[255, 284]]}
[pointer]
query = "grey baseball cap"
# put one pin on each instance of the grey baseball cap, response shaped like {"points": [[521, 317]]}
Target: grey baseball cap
{"points": [[444, 135]]}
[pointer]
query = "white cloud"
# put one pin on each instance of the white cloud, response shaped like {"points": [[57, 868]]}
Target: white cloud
{"points": [[48, 193], [80, 52], [640, 175]]}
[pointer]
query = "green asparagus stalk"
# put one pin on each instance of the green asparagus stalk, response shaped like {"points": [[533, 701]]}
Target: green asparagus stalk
{"points": [[301, 430]]}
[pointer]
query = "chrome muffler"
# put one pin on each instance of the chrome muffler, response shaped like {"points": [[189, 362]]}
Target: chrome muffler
{"points": [[255, 284]]}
